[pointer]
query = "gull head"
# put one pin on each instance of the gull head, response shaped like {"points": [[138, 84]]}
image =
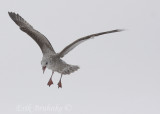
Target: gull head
{"points": [[44, 63]]}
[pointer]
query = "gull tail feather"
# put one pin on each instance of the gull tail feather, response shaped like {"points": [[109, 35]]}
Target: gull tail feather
{"points": [[70, 69]]}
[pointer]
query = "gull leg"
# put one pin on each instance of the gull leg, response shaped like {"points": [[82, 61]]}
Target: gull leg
{"points": [[59, 83], [50, 82]]}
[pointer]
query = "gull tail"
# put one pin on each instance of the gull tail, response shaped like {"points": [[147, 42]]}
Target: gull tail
{"points": [[70, 69]]}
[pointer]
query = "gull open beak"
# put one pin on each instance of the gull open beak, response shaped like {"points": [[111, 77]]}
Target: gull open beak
{"points": [[43, 68]]}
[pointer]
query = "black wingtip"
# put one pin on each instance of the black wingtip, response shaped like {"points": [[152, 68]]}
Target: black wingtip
{"points": [[119, 30], [14, 16], [10, 12]]}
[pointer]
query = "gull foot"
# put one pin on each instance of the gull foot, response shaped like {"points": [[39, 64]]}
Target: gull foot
{"points": [[59, 84], [50, 82]]}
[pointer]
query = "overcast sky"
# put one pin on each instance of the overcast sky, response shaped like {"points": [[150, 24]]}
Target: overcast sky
{"points": [[119, 73]]}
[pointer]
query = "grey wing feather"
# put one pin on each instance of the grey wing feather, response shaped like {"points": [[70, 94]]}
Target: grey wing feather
{"points": [[39, 38], [79, 41]]}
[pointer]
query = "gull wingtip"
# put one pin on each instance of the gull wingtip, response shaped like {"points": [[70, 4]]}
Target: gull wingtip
{"points": [[119, 30], [9, 12]]}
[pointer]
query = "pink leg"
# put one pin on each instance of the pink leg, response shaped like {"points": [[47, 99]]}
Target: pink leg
{"points": [[59, 83], [50, 82]]}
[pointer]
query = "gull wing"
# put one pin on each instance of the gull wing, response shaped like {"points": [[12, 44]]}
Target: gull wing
{"points": [[39, 38], [79, 41]]}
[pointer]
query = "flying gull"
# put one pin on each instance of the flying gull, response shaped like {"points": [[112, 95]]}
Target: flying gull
{"points": [[51, 59]]}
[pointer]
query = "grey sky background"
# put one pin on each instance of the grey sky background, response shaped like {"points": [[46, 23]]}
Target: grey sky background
{"points": [[119, 73]]}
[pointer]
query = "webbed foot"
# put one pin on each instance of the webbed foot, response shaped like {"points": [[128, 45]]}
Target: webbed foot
{"points": [[50, 82], [59, 84]]}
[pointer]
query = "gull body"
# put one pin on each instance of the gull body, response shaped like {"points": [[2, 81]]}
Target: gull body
{"points": [[54, 63], [51, 59]]}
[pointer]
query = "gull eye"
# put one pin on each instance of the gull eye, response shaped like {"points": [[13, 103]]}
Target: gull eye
{"points": [[46, 63]]}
